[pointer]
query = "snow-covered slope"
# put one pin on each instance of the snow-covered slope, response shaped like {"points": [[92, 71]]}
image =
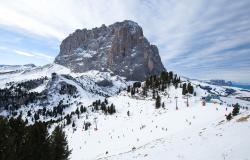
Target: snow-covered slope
{"points": [[205, 141], [137, 130], [150, 133]]}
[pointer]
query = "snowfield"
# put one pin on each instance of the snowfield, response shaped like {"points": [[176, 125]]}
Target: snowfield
{"points": [[138, 130], [194, 132]]}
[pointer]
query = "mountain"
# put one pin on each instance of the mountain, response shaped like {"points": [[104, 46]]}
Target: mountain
{"points": [[137, 128], [14, 68], [220, 82], [120, 48], [106, 116]]}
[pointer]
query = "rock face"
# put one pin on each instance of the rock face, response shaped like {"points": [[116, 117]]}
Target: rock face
{"points": [[120, 48]]}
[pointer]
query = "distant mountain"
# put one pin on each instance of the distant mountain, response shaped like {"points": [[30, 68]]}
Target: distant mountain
{"points": [[120, 48], [220, 82], [229, 83], [14, 68]]}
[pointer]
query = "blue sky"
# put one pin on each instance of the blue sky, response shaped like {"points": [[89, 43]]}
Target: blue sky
{"points": [[204, 39]]}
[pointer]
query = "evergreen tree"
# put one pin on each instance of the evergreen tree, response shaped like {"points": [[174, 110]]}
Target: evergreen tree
{"points": [[190, 88], [81, 109], [29, 113], [148, 83], [153, 94], [103, 107], [68, 119], [77, 112], [84, 109], [229, 116], [111, 109], [158, 102], [184, 89], [38, 144], [73, 124], [106, 101], [4, 138], [60, 148], [128, 89], [137, 84], [21, 142], [132, 91], [36, 116], [170, 76], [236, 109], [164, 76]]}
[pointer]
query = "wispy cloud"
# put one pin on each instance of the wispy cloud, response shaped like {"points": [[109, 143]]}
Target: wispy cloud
{"points": [[200, 39], [24, 53], [35, 54]]}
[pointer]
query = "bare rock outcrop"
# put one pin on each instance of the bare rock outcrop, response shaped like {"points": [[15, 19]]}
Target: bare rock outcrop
{"points": [[120, 48]]}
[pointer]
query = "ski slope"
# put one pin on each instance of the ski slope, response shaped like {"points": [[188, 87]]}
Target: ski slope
{"points": [[150, 133], [194, 132]]}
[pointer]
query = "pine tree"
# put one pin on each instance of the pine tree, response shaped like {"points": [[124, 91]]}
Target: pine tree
{"points": [[184, 89], [77, 112], [81, 109], [133, 91], [158, 102], [68, 119], [128, 89], [29, 113], [111, 109], [170, 76], [38, 144], [60, 148], [229, 116], [153, 94], [190, 88], [84, 109], [106, 101], [103, 107], [36, 116], [236, 109], [4, 138], [164, 76]]}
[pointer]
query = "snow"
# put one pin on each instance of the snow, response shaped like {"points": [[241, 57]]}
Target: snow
{"points": [[157, 134], [13, 68], [34, 73], [194, 132], [226, 141], [133, 53], [39, 89], [85, 53]]}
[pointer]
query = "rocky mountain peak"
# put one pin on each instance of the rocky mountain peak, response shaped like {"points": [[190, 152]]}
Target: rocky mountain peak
{"points": [[120, 48]]}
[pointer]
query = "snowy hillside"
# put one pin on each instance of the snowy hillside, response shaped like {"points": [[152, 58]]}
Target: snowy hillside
{"points": [[202, 141], [149, 133], [185, 127]]}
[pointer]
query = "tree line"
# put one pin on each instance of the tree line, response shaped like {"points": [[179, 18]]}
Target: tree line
{"points": [[28, 142]]}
